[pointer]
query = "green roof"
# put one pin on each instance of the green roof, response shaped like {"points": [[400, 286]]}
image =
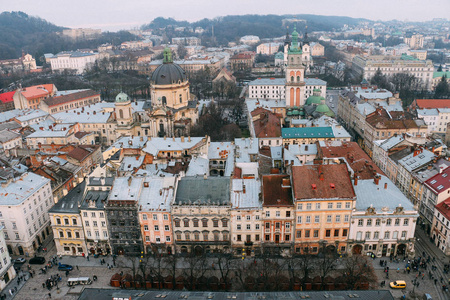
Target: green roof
{"points": [[440, 74], [407, 57], [314, 100], [324, 109], [307, 132], [279, 55]]}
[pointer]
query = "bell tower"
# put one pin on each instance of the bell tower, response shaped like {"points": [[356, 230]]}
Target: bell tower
{"points": [[295, 74]]}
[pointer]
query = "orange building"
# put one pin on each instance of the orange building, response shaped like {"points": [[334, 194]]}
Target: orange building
{"points": [[324, 198], [32, 96]]}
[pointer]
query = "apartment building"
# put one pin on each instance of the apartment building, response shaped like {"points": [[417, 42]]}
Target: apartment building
{"points": [[278, 214], [201, 215], [25, 201], [380, 225], [246, 217], [323, 201], [67, 225], [6, 265], [155, 217]]}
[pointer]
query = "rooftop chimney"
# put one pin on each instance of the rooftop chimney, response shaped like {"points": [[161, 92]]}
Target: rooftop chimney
{"points": [[385, 185], [321, 176], [243, 188], [356, 180], [376, 179]]}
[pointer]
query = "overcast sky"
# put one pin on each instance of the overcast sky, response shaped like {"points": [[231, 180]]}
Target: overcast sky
{"points": [[126, 14]]}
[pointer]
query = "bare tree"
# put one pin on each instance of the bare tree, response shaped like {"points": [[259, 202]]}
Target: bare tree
{"points": [[196, 267], [131, 263], [170, 264], [357, 269], [325, 263], [225, 264]]}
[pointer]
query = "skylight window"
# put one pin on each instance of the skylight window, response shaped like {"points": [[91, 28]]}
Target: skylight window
{"points": [[440, 187], [433, 181]]}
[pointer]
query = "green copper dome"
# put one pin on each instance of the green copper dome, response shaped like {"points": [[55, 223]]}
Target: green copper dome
{"points": [[324, 109], [122, 97], [314, 100]]}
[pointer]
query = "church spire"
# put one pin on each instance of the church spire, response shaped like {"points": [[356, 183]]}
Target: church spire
{"points": [[167, 56], [305, 37]]}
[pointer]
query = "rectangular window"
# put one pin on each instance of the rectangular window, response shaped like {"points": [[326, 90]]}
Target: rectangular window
{"points": [[344, 232], [267, 237], [248, 226], [338, 218], [84, 214], [330, 205], [195, 221], [93, 214], [166, 227], [146, 227], [299, 219], [166, 217], [144, 216], [86, 223], [316, 219], [102, 215], [299, 234], [405, 222], [376, 234], [215, 223], [239, 238], [155, 217], [369, 222], [94, 223], [377, 222], [288, 214], [386, 235], [339, 205], [329, 219], [307, 233], [404, 234], [249, 218], [317, 205], [238, 227], [347, 204], [299, 206], [277, 213], [257, 226], [316, 233], [327, 233], [397, 222], [367, 235], [336, 232], [156, 228], [308, 206], [395, 235], [267, 214], [388, 222], [360, 222], [238, 218]]}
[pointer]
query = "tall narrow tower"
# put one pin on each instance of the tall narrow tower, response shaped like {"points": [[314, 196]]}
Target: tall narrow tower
{"points": [[295, 73]]}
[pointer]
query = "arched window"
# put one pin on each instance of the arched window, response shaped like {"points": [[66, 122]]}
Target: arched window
{"points": [[298, 78], [120, 114], [292, 78], [181, 98], [164, 100]]}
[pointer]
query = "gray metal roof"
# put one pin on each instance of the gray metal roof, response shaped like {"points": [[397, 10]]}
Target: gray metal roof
{"points": [[201, 191], [108, 294], [69, 203]]}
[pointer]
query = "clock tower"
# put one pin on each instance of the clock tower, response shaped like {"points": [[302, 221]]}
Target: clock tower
{"points": [[295, 74]]}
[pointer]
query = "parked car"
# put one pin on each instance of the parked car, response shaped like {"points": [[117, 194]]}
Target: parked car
{"points": [[37, 260], [20, 260], [399, 284], [63, 267]]}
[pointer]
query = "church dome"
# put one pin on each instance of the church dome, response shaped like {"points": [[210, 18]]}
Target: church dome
{"points": [[314, 100], [168, 73], [122, 97], [324, 109]]}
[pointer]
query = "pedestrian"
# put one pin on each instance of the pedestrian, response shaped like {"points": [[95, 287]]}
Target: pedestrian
{"points": [[418, 283], [87, 257], [50, 295], [77, 268], [43, 285], [435, 281]]}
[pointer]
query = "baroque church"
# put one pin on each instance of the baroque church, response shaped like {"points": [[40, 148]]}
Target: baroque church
{"points": [[170, 112]]}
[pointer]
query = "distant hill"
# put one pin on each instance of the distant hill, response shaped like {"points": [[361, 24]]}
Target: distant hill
{"points": [[17, 29], [229, 28], [21, 32]]}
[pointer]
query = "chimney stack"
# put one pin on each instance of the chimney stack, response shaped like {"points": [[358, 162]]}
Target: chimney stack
{"points": [[243, 188], [356, 180], [385, 185], [321, 176], [376, 179]]}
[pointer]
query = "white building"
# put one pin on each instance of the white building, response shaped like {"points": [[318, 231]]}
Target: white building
{"points": [[441, 226], [368, 66], [246, 216], [72, 60], [7, 271], [249, 39], [268, 48], [383, 221], [10, 140], [24, 205], [274, 88]]}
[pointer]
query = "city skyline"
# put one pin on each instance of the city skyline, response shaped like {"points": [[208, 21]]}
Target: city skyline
{"points": [[135, 13]]}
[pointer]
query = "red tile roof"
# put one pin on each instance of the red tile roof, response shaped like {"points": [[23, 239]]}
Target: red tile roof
{"points": [[336, 182], [275, 193], [81, 152], [266, 123], [440, 182], [381, 119], [433, 103], [53, 101], [7, 97], [358, 160], [444, 208], [37, 91]]}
